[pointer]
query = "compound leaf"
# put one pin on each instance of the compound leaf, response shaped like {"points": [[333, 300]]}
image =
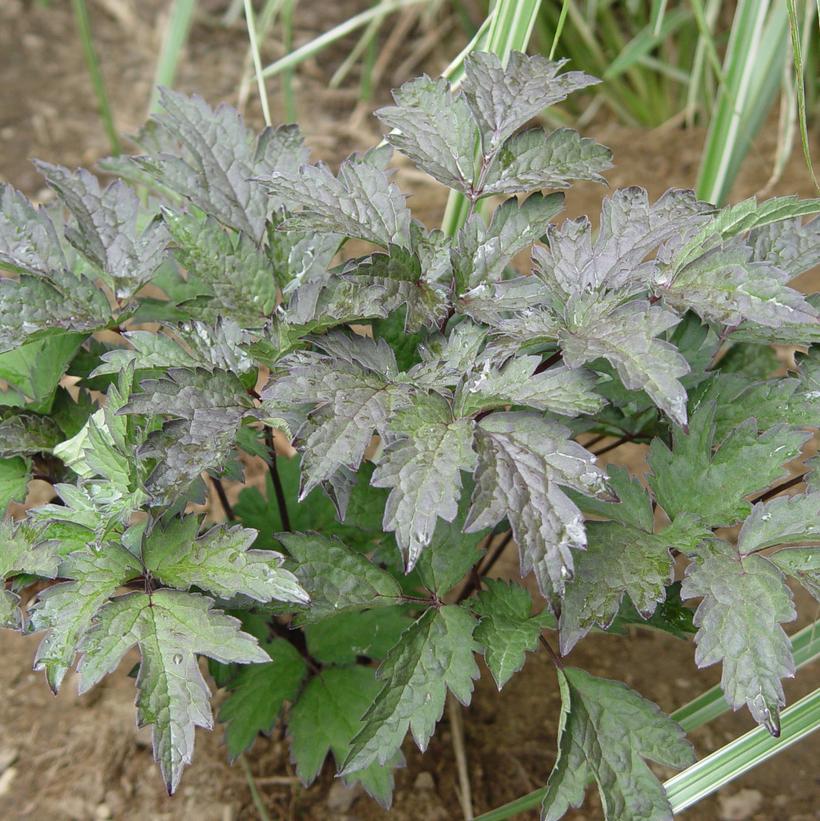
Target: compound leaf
{"points": [[507, 630], [257, 693], [787, 520], [745, 599], [433, 655], [169, 627], [803, 564], [326, 718], [606, 732], [336, 578], [14, 477], [218, 561], [523, 458]]}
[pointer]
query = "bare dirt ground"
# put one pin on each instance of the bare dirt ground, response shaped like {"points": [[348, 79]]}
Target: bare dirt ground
{"points": [[74, 757]]}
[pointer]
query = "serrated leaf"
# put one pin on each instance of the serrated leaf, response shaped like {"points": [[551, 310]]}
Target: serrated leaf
{"points": [[214, 160], [557, 389], [482, 252], [727, 285], [423, 468], [257, 694], [435, 129], [21, 552], [621, 560], [507, 630], [712, 485], [236, 273], [433, 655], [336, 578], [803, 564], [218, 561], [170, 628], [634, 507], [523, 458], [744, 602], [343, 638], [787, 520], [503, 98], [108, 228], [606, 732], [33, 370], [533, 160], [791, 245], [66, 610], [627, 337], [326, 718], [360, 202], [27, 433]]}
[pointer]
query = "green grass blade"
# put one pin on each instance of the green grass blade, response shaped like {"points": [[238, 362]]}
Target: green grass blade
{"points": [[562, 19], [299, 55], [176, 35], [705, 708], [257, 62], [95, 73], [646, 40], [740, 755], [800, 88], [752, 65]]}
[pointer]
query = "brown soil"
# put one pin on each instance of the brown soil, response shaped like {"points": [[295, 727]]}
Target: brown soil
{"points": [[74, 757]]}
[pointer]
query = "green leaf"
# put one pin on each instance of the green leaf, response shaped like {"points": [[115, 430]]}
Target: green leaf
{"points": [[787, 520], [27, 433], [219, 561], [257, 693], [435, 129], [336, 578], [423, 471], [503, 98], [744, 602], [433, 655], [107, 231], [20, 552], [343, 638], [523, 458], [507, 630], [712, 485], [326, 718], [533, 160], [557, 389], [238, 276], [803, 564], [360, 202], [34, 370], [621, 561], [605, 733], [215, 160], [791, 245], [14, 478], [726, 285], [66, 610], [634, 507], [482, 253], [170, 628], [626, 337]]}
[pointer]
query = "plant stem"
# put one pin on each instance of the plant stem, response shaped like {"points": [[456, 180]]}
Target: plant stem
{"points": [[95, 73], [628, 437], [556, 659], [474, 582], [257, 62], [223, 499], [255, 796], [281, 501]]}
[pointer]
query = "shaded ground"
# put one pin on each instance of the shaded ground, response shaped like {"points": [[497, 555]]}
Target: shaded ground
{"points": [[81, 758]]}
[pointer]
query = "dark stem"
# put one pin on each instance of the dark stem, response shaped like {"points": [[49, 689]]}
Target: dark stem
{"points": [[281, 502], [223, 499], [778, 489], [297, 639], [595, 440], [556, 659], [629, 437], [548, 363], [473, 583]]}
